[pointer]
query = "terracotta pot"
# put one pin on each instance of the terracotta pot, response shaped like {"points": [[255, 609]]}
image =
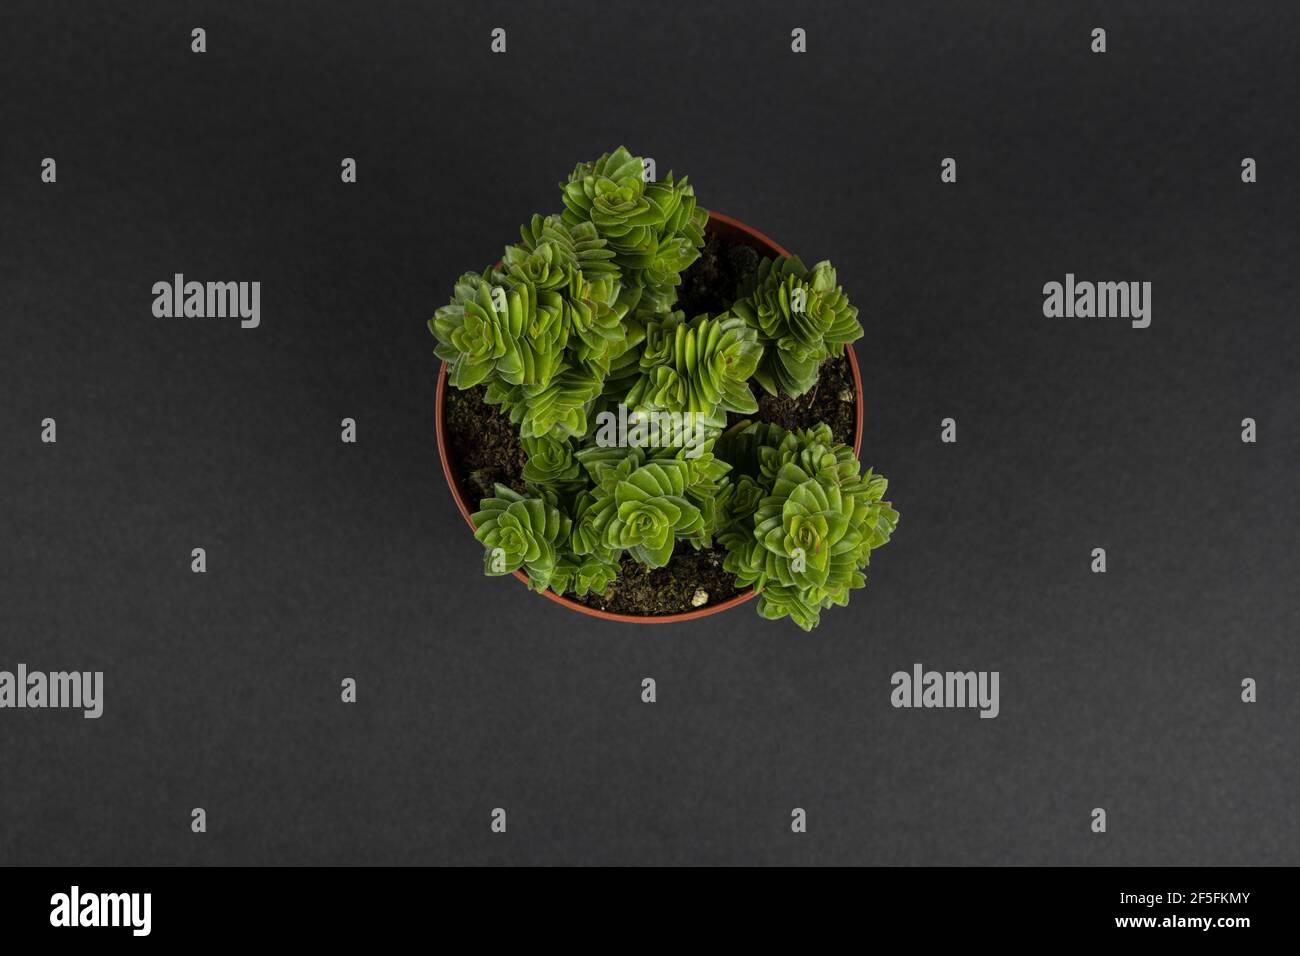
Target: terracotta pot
{"points": [[735, 232]]}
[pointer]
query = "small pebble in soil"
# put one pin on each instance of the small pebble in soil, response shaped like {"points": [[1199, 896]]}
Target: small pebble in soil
{"points": [[699, 598]]}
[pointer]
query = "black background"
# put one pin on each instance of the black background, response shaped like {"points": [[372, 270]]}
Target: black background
{"points": [[328, 560]]}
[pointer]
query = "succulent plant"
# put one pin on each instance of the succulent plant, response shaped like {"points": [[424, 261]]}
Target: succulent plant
{"points": [[583, 574], [742, 445], [586, 537], [654, 228], [813, 449], [550, 461], [578, 247], [803, 317], [641, 507], [811, 537], [577, 320], [520, 532], [610, 193], [594, 317], [708, 485], [559, 408], [701, 367], [513, 332], [745, 495]]}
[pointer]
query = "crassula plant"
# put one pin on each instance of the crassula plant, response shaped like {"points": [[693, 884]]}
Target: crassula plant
{"points": [[639, 425]]}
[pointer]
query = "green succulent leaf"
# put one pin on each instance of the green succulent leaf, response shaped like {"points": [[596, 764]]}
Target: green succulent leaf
{"points": [[586, 537], [607, 464], [746, 493]]}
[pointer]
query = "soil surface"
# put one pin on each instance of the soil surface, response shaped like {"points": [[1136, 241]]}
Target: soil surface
{"points": [[832, 400], [484, 449], [482, 444], [710, 284], [672, 589]]}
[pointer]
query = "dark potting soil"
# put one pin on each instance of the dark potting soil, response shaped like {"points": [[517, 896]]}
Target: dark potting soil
{"points": [[710, 284], [484, 449], [672, 589], [482, 444], [832, 400]]}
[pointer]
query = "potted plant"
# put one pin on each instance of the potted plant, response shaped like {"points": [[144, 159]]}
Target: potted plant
{"points": [[651, 413]]}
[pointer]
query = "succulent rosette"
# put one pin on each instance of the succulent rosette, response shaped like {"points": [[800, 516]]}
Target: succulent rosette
{"points": [[520, 532], [594, 316], [559, 408], [701, 367], [646, 511], [577, 246], [583, 574], [654, 228], [550, 461], [743, 501], [586, 538], [803, 318], [708, 486], [810, 538], [513, 333], [543, 267], [815, 450]]}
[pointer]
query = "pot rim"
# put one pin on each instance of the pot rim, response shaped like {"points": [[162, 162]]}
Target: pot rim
{"points": [[728, 224]]}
